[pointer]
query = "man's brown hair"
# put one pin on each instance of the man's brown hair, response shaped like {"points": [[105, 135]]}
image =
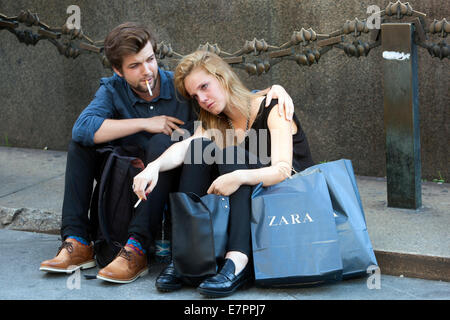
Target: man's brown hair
{"points": [[125, 39]]}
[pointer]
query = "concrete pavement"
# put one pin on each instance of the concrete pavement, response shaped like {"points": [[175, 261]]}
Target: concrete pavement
{"points": [[20, 278], [407, 243]]}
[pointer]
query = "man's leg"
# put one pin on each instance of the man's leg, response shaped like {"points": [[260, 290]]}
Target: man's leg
{"points": [[82, 168], [83, 165], [148, 215], [131, 262]]}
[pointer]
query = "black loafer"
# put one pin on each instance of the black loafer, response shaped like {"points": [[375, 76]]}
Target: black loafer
{"points": [[225, 282], [168, 280]]}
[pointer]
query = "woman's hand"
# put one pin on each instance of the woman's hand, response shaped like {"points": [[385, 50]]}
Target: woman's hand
{"points": [[148, 177], [226, 184], [285, 103]]}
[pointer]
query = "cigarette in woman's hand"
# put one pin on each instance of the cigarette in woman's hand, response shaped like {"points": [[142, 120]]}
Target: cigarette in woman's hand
{"points": [[137, 203], [148, 87]]}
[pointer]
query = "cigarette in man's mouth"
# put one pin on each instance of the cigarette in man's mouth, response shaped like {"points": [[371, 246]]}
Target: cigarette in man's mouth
{"points": [[148, 87], [137, 203]]}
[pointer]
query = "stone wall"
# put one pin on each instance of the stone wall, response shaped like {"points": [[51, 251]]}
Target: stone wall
{"points": [[339, 101]]}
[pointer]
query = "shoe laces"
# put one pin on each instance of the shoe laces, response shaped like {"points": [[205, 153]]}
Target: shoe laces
{"points": [[66, 245], [123, 252]]}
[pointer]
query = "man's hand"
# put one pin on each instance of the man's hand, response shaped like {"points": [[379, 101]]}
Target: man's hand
{"points": [[285, 103], [162, 124], [112, 129]]}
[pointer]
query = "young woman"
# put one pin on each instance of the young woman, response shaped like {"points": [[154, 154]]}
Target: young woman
{"points": [[234, 123]]}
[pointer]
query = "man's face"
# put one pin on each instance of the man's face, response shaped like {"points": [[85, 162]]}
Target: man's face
{"points": [[136, 68]]}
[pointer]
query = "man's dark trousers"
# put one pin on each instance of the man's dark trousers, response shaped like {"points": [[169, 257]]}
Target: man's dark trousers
{"points": [[84, 167]]}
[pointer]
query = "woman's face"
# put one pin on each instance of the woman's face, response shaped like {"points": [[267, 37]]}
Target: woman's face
{"points": [[207, 90]]}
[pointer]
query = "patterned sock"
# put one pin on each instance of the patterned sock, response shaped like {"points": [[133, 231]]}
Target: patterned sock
{"points": [[136, 246], [79, 239]]}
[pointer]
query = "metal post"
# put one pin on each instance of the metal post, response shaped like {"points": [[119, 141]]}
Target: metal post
{"points": [[401, 116]]}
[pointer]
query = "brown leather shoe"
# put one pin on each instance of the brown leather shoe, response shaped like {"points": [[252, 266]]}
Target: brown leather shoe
{"points": [[71, 256], [125, 268]]}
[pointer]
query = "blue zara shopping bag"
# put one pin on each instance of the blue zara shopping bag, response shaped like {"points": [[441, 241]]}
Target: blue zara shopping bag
{"points": [[294, 237], [354, 242]]}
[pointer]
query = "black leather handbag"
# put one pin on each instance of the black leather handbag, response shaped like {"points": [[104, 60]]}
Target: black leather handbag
{"points": [[199, 234]]}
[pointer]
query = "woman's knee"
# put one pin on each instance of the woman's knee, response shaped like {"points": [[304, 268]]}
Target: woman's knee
{"points": [[235, 158], [201, 151]]}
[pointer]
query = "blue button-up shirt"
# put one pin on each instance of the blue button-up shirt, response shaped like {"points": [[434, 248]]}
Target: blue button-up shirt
{"points": [[116, 100]]}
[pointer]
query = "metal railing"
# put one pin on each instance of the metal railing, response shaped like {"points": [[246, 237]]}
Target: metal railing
{"points": [[402, 28], [305, 47]]}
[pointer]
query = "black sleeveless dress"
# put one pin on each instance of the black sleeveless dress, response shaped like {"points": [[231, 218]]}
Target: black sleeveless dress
{"points": [[301, 153]]}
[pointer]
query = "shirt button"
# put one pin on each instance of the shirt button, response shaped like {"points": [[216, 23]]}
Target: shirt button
{"points": [[152, 107]]}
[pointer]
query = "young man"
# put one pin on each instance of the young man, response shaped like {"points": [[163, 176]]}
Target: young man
{"points": [[123, 112]]}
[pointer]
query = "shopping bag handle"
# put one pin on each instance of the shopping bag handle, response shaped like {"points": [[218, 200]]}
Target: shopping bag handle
{"points": [[283, 169]]}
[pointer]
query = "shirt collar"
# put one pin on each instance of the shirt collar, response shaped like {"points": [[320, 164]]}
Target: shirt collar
{"points": [[165, 92]]}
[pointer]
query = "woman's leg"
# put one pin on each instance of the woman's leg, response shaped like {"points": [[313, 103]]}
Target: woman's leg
{"points": [[239, 241], [198, 174], [239, 236], [199, 171]]}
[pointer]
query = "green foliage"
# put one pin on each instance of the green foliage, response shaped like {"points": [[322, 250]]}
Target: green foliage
{"points": [[440, 179]]}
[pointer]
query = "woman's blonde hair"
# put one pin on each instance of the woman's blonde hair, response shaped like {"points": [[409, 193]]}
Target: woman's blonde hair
{"points": [[238, 96]]}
